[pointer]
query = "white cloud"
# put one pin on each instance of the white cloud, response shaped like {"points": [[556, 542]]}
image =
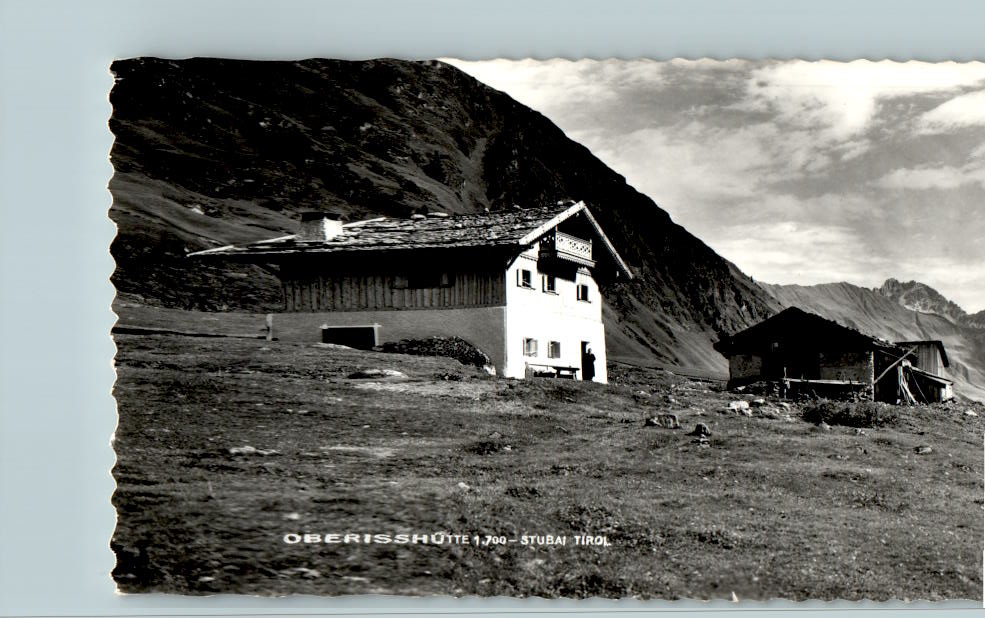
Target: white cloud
{"points": [[790, 252], [933, 178], [852, 149], [677, 165], [545, 85], [961, 111], [839, 99]]}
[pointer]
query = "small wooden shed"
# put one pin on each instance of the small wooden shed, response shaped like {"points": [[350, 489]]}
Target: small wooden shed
{"points": [[808, 353]]}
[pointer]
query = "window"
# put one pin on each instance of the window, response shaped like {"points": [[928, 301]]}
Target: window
{"points": [[550, 284], [583, 293], [524, 279], [529, 347], [554, 349]]}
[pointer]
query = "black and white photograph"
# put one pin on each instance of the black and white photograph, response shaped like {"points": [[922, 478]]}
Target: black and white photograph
{"points": [[563, 328]]}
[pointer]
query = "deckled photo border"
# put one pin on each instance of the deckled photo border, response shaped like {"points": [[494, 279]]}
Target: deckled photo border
{"points": [[57, 410]]}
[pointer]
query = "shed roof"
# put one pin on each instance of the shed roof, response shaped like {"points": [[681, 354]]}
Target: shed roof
{"points": [[795, 327], [516, 228], [934, 342]]}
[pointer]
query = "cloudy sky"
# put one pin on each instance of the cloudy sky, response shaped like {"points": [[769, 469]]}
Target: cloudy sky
{"points": [[799, 172]]}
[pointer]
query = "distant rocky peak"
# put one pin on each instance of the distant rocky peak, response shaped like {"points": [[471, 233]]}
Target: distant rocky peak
{"points": [[975, 320], [921, 297]]}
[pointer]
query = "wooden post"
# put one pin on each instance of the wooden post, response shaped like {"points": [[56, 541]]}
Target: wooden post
{"points": [[270, 327], [894, 363]]}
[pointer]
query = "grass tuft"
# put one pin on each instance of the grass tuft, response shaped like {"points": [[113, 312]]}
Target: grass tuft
{"points": [[860, 414]]}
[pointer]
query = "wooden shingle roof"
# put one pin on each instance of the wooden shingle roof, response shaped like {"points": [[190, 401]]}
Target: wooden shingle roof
{"points": [[490, 229]]}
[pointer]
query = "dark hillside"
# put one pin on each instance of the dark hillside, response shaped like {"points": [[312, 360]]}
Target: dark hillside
{"points": [[211, 152]]}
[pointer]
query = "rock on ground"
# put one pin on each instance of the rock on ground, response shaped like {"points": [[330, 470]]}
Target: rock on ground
{"points": [[251, 450], [700, 430], [364, 374], [670, 421]]}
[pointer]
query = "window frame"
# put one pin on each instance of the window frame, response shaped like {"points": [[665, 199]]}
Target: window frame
{"points": [[553, 349], [583, 297], [528, 343], [529, 285], [549, 284]]}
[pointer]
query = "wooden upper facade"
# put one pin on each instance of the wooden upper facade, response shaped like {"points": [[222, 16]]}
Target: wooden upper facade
{"points": [[930, 355], [390, 286]]}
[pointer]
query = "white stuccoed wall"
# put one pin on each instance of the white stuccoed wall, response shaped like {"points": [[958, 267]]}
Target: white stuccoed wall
{"points": [[551, 317]]}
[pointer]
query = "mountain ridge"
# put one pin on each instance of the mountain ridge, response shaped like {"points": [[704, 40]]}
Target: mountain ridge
{"points": [[921, 297]]}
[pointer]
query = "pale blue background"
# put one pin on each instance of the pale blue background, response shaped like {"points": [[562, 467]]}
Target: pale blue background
{"points": [[56, 409]]}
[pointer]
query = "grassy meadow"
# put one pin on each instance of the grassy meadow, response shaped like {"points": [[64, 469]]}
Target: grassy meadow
{"points": [[226, 445]]}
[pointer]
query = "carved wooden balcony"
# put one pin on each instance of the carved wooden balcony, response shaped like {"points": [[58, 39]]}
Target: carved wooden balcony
{"points": [[561, 246]]}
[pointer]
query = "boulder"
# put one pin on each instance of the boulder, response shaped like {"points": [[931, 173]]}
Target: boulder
{"points": [[738, 406], [768, 412], [251, 450], [758, 402], [923, 449], [669, 421], [375, 374], [823, 426], [700, 430]]}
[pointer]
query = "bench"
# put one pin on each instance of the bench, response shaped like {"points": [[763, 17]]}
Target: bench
{"points": [[553, 371]]}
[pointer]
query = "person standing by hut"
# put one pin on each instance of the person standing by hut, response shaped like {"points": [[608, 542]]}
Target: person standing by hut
{"points": [[587, 365]]}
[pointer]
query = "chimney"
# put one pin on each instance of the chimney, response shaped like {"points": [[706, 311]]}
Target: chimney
{"points": [[317, 225]]}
